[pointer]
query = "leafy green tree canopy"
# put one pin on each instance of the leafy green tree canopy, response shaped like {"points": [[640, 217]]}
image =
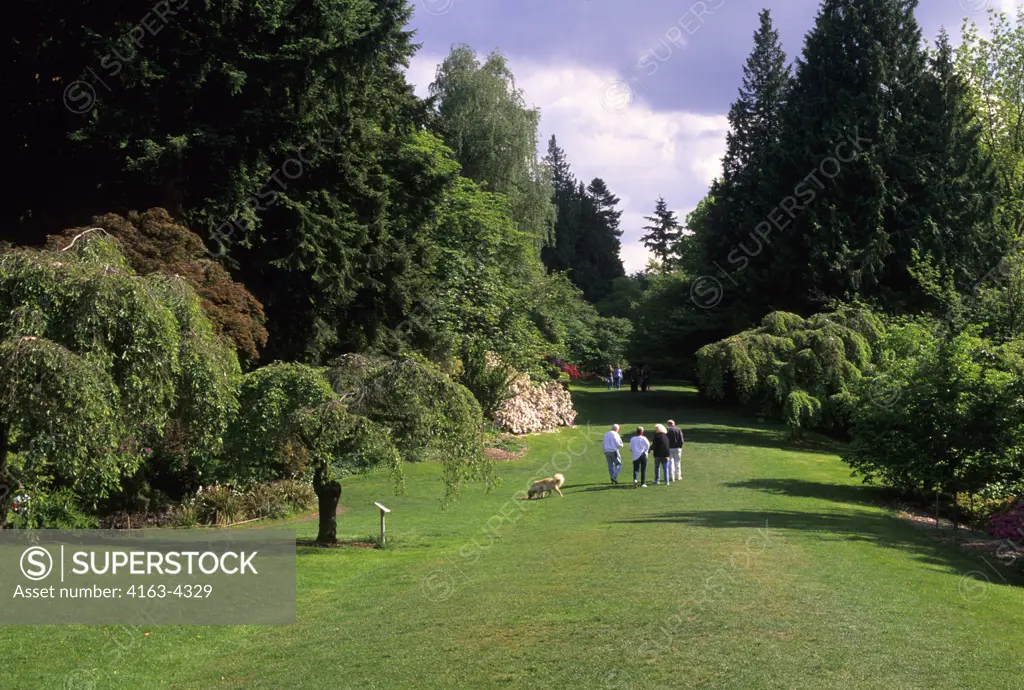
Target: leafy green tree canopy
{"points": [[951, 418], [101, 367], [800, 369], [429, 415], [292, 424]]}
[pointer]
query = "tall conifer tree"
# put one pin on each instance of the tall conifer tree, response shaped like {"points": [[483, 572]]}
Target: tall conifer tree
{"points": [[662, 235], [956, 191], [743, 195], [558, 255], [845, 157]]}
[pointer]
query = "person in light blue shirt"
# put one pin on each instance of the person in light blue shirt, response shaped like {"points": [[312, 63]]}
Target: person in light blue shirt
{"points": [[639, 446]]}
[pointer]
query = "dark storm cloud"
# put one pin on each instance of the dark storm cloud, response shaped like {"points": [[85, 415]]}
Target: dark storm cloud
{"points": [[675, 55]]}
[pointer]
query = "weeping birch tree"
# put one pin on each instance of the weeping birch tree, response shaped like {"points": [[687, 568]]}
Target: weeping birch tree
{"points": [[483, 117]]}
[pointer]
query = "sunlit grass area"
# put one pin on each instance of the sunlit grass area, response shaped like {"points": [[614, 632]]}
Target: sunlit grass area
{"points": [[768, 566]]}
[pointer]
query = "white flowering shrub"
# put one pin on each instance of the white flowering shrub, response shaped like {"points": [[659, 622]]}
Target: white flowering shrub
{"points": [[532, 408]]}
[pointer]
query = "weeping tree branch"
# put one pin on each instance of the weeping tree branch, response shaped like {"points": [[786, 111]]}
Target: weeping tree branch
{"points": [[86, 232]]}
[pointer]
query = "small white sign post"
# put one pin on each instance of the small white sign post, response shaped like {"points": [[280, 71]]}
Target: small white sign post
{"points": [[383, 511]]}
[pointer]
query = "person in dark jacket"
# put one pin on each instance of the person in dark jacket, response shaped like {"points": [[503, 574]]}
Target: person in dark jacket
{"points": [[645, 378], [634, 379], [660, 451], [675, 451]]}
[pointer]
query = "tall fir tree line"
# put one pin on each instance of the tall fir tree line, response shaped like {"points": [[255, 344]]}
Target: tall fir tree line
{"points": [[858, 177], [586, 233], [724, 222]]}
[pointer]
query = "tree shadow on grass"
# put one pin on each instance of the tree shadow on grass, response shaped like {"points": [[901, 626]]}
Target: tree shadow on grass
{"points": [[762, 438], [846, 526], [840, 493], [699, 422], [604, 408]]}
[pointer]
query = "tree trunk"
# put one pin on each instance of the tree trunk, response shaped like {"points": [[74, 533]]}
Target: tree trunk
{"points": [[328, 495], [6, 481], [171, 196]]}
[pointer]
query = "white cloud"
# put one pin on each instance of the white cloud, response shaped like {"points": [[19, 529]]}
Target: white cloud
{"points": [[420, 73], [1010, 7], [634, 256], [607, 131]]}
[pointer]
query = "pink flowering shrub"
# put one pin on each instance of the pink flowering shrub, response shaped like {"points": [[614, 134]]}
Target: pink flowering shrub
{"points": [[1008, 524], [571, 369]]}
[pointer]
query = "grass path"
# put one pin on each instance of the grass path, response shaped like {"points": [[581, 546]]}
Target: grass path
{"points": [[767, 567]]}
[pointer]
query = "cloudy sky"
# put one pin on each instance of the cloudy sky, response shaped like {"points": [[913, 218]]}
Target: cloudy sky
{"points": [[636, 91]]}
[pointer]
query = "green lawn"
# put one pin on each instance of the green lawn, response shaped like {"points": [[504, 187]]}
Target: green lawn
{"points": [[767, 567]]}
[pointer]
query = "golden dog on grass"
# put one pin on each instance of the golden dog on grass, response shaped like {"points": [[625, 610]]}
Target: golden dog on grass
{"points": [[543, 487]]}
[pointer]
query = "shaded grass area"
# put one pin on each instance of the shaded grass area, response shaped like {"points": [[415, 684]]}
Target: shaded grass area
{"points": [[767, 567]]}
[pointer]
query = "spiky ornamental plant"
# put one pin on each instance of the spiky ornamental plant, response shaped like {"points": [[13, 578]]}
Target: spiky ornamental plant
{"points": [[796, 368], [102, 369]]}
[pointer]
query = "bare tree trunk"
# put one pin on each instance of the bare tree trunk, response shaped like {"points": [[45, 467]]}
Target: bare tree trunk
{"points": [[171, 196], [328, 495]]}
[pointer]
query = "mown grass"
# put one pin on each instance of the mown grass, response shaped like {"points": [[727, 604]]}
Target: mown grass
{"points": [[767, 567]]}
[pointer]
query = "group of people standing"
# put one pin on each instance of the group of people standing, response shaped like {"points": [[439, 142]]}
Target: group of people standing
{"points": [[667, 449], [639, 377]]}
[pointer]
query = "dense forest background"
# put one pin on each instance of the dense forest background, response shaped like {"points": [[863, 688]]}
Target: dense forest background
{"points": [[238, 253]]}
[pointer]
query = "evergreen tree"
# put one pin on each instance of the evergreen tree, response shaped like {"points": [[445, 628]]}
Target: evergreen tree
{"points": [[724, 232], [754, 117], [562, 179], [848, 116], [879, 169], [607, 239], [279, 131], [587, 230], [597, 261], [586, 269], [606, 204], [662, 235], [956, 191], [558, 256]]}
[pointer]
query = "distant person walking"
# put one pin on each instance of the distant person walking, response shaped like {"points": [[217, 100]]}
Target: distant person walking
{"points": [[675, 451], [634, 379], [618, 377], [611, 445], [661, 453], [645, 378], [611, 376], [638, 446]]}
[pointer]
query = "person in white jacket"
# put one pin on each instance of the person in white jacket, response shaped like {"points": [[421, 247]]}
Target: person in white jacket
{"points": [[639, 446], [611, 445]]}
